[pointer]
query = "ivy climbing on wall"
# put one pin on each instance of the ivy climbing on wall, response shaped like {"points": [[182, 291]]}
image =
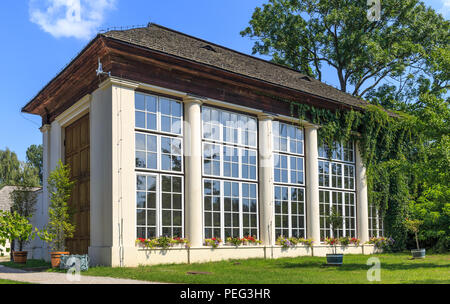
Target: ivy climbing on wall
{"points": [[385, 140]]}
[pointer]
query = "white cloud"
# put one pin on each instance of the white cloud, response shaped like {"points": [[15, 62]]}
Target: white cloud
{"points": [[69, 18]]}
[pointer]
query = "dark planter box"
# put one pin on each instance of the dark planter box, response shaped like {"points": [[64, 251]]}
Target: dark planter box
{"points": [[418, 253], [335, 259]]}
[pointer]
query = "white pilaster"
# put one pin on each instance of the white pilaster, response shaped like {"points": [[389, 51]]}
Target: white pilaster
{"points": [[312, 184], [101, 177], [193, 171], [266, 196], [362, 215], [46, 160], [56, 145]]}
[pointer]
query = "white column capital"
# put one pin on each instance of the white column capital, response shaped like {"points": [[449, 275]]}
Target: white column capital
{"points": [[45, 128], [311, 127], [265, 116], [192, 99]]}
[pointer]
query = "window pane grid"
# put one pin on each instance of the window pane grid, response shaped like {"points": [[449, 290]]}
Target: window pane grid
{"points": [[158, 147], [230, 209], [157, 152], [171, 206], [159, 114], [288, 169], [212, 208], [341, 153], [159, 205], [249, 210], [336, 188], [229, 127], [375, 222], [289, 212], [287, 138], [229, 162]]}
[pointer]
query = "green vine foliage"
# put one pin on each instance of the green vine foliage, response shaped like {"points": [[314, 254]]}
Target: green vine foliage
{"points": [[385, 143]]}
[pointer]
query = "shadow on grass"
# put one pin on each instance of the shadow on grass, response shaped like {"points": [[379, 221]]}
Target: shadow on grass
{"points": [[362, 266]]}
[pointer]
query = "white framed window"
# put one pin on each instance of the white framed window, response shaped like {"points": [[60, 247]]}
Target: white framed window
{"points": [[230, 208], [290, 220], [341, 152], [324, 173], [229, 145], [171, 154], [158, 166], [281, 169], [344, 203], [159, 205], [248, 164], [289, 198], [230, 162], [172, 205], [287, 138], [158, 152], [376, 225], [147, 205], [230, 172], [336, 175], [337, 188], [229, 127], [159, 114], [288, 169], [349, 177]]}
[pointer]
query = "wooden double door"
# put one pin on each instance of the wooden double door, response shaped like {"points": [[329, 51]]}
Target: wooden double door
{"points": [[77, 156]]}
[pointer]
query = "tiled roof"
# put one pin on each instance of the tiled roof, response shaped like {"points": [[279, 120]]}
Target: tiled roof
{"points": [[158, 38]]}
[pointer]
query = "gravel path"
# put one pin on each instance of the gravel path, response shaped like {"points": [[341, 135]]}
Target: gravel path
{"points": [[59, 278]]}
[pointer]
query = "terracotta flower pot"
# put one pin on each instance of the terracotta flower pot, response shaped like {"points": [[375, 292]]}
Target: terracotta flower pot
{"points": [[56, 258], [20, 257]]}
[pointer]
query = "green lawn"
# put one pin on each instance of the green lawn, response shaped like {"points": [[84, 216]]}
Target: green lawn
{"points": [[395, 268], [2, 281], [31, 263]]}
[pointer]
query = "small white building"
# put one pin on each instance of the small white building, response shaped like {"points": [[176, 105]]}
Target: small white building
{"points": [[179, 137]]}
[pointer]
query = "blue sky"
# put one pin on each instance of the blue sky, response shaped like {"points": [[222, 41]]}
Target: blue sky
{"points": [[39, 37]]}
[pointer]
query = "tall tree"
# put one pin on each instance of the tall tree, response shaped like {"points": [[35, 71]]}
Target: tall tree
{"points": [[35, 157], [9, 167], [24, 196], [308, 35]]}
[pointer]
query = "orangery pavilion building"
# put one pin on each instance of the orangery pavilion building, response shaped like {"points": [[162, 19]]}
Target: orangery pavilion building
{"points": [[170, 135]]}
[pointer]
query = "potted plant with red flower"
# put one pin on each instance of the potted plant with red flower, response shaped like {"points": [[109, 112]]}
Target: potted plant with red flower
{"points": [[213, 242]]}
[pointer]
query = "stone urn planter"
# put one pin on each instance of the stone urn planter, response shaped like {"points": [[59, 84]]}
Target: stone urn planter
{"points": [[56, 258], [20, 257], [418, 253], [335, 259]]}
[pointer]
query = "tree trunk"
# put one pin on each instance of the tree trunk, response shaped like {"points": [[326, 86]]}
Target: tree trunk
{"points": [[417, 241]]}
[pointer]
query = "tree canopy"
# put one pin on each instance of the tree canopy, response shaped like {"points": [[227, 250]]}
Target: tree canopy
{"points": [[309, 35], [400, 62]]}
